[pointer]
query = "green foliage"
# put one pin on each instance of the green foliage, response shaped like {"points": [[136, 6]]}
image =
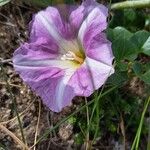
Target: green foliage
{"points": [[129, 18], [142, 71], [146, 77], [127, 45], [146, 47], [45, 3], [3, 2]]}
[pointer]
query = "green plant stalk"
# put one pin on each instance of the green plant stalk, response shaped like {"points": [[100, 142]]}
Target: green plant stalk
{"points": [[88, 122], [15, 104], [82, 131], [3, 2], [2, 147], [148, 143], [75, 112], [137, 137], [97, 123], [96, 108], [141, 122], [131, 4]]}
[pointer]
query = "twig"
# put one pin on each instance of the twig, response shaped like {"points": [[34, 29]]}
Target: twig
{"points": [[48, 118], [13, 119], [122, 127], [4, 129], [37, 126], [131, 4], [8, 24], [3, 61], [3, 83]]}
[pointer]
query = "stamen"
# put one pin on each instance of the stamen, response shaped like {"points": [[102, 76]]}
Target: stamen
{"points": [[72, 56]]}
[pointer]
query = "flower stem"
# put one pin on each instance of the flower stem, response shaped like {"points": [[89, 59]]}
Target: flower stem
{"points": [[135, 144], [131, 4], [88, 122]]}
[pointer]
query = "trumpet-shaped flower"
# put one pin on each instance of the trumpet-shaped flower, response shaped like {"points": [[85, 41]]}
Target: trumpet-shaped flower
{"points": [[68, 53]]}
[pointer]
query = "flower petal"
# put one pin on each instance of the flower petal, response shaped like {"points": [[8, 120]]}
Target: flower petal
{"points": [[46, 75], [40, 49], [49, 24], [93, 24], [27, 57], [99, 48], [46, 24], [51, 85], [78, 15], [90, 76]]}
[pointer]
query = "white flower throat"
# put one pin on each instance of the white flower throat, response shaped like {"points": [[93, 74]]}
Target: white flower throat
{"points": [[72, 57]]}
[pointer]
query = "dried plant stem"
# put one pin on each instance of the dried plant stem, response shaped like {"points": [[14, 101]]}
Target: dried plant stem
{"points": [[88, 123], [4, 129], [13, 119], [14, 103], [122, 127], [5, 60], [37, 126], [3, 83], [131, 4]]}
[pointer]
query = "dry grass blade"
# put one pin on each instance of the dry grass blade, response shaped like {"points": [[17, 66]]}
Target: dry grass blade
{"points": [[4, 129], [22, 113], [3, 83], [122, 127], [37, 126]]}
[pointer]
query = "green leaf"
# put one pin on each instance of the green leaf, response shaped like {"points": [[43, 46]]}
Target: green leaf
{"points": [[137, 68], [117, 33], [123, 48], [3, 2], [45, 3], [146, 77], [127, 45], [128, 18], [120, 32], [38, 3], [69, 1], [146, 47], [118, 78], [139, 38], [122, 66], [142, 71]]}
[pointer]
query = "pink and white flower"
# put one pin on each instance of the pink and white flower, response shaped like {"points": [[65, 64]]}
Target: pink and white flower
{"points": [[68, 53]]}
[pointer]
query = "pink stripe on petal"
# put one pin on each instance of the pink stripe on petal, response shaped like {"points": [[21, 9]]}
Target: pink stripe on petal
{"points": [[99, 48], [46, 24], [40, 49], [90, 76], [48, 83], [93, 24], [40, 54]]}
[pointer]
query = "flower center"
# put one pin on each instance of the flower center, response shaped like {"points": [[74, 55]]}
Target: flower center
{"points": [[73, 57]]}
